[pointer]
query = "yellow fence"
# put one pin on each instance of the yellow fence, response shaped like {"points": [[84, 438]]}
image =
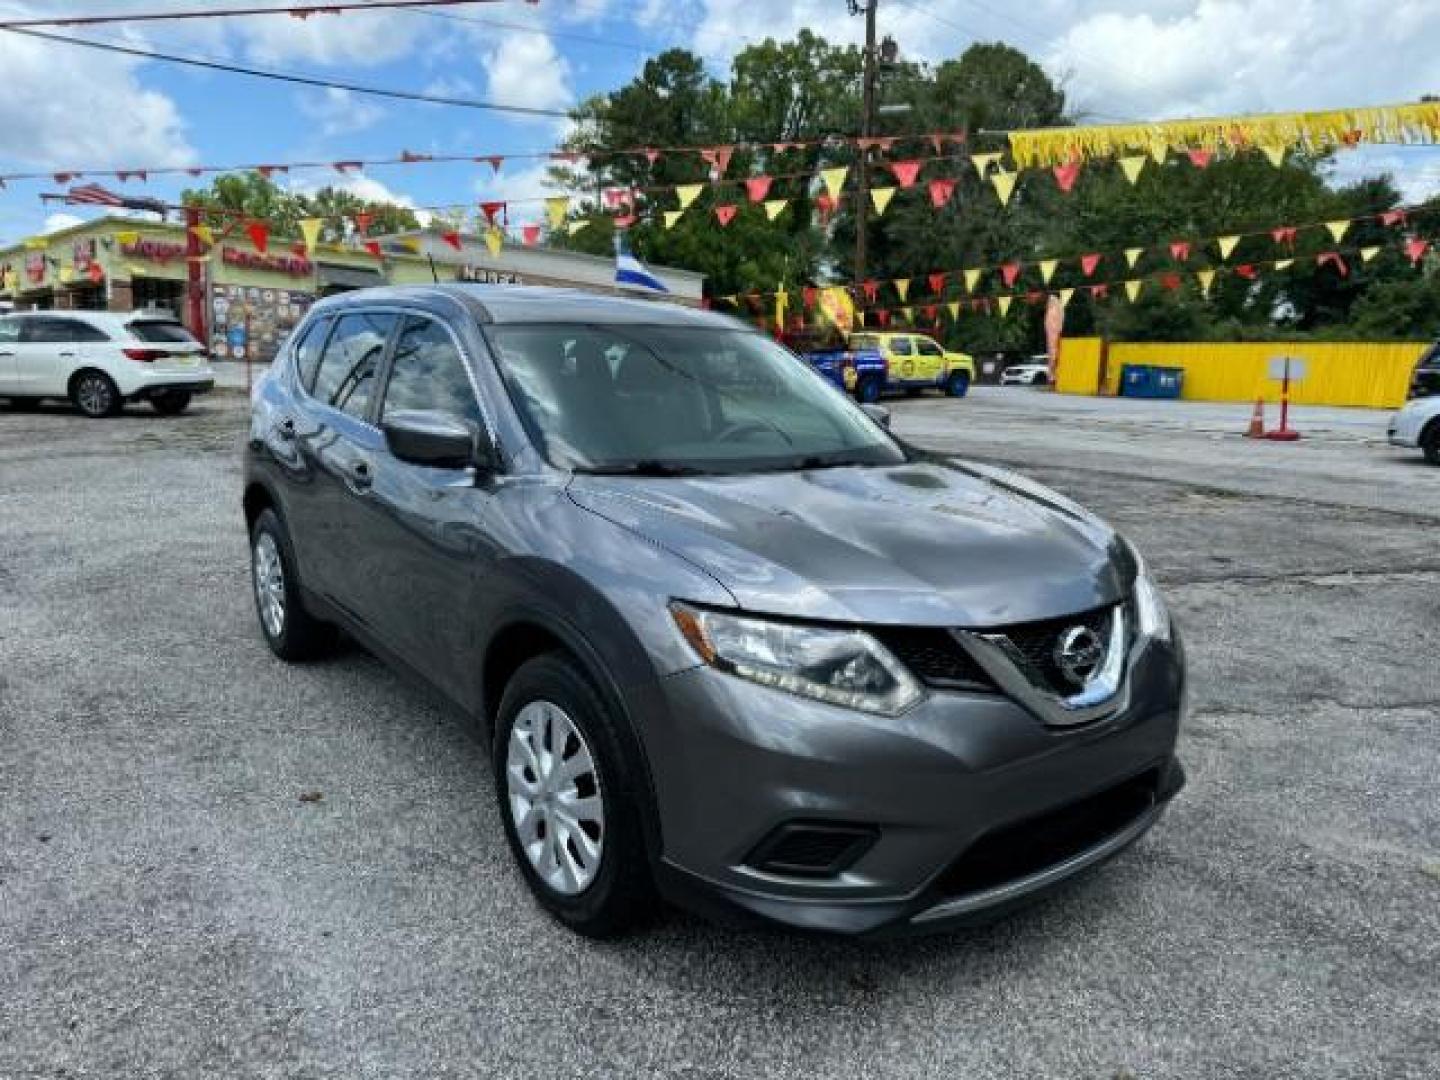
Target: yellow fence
{"points": [[1339, 373]]}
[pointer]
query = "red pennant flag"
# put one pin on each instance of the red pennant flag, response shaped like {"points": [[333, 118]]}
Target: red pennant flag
{"points": [[780, 147], [491, 210], [567, 156], [1200, 158], [495, 161], [1284, 235], [882, 317], [451, 238], [937, 284], [1066, 175], [1099, 292], [1035, 296], [1352, 138], [65, 177], [530, 235], [1170, 281], [373, 247], [196, 172], [1247, 271], [872, 290], [651, 155], [347, 166], [867, 142], [1180, 250], [1009, 272], [1392, 218], [1333, 258], [363, 220], [825, 204], [1415, 250], [725, 212], [1088, 263], [940, 192], [718, 157], [266, 171], [410, 156], [259, 234], [931, 312], [757, 187], [905, 172], [808, 294]]}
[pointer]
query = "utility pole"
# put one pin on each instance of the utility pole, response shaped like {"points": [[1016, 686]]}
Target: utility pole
{"points": [[867, 123]]}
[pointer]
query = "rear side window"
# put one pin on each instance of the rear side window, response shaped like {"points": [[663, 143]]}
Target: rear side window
{"points": [[428, 373], [307, 352], [346, 376], [9, 330], [41, 331], [161, 331], [900, 346]]}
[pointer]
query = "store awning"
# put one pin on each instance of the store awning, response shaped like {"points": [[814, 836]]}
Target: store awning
{"points": [[348, 277]]}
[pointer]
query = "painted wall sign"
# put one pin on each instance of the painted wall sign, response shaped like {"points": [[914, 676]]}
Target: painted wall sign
{"points": [[293, 265], [155, 250]]}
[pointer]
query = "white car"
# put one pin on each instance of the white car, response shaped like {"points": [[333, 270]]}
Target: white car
{"points": [[101, 359], [1026, 375], [1417, 426]]}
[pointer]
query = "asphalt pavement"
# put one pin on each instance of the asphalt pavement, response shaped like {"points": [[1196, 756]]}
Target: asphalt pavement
{"points": [[216, 865]]}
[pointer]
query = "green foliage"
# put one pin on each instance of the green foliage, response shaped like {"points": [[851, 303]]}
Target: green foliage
{"points": [[253, 195]]}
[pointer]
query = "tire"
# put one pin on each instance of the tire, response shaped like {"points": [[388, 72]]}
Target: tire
{"points": [[171, 402], [95, 394], [1430, 443], [868, 389], [599, 883], [958, 385], [292, 633]]}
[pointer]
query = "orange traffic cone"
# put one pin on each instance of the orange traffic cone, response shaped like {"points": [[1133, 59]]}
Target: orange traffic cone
{"points": [[1256, 430]]}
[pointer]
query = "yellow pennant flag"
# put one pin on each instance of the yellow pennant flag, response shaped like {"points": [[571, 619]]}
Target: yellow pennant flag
{"points": [[902, 287], [1132, 256], [1206, 278], [1285, 264], [982, 162], [688, 193], [1366, 254], [1004, 185], [1065, 296], [1133, 167], [775, 207], [204, 234], [1338, 229], [1227, 245], [1159, 150], [1132, 289], [672, 216], [310, 232], [39, 243], [972, 278], [124, 239], [556, 209], [881, 197], [1004, 304], [834, 179], [411, 244], [494, 240], [954, 308], [1047, 269], [782, 299], [1275, 152]]}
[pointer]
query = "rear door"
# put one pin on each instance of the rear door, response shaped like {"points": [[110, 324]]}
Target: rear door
{"points": [[337, 441], [51, 349]]}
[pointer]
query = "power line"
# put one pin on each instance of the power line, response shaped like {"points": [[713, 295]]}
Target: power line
{"points": [[301, 11], [292, 77]]}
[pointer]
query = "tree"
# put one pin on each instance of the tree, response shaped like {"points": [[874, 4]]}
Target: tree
{"points": [[253, 195]]}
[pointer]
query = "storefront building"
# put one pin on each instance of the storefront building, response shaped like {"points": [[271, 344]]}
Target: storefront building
{"points": [[252, 299]]}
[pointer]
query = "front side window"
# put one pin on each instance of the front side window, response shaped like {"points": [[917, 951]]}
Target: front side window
{"points": [[307, 352], [59, 331], [346, 375], [662, 399], [926, 347], [9, 331], [428, 373]]}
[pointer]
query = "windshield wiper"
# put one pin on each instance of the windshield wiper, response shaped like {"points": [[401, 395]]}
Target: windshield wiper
{"points": [[815, 461], [645, 467]]}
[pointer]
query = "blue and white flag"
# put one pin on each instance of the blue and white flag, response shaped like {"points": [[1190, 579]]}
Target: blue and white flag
{"points": [[631, 271]]}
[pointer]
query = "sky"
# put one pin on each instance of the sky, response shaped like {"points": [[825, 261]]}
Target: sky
{"points": [[66, 108]]}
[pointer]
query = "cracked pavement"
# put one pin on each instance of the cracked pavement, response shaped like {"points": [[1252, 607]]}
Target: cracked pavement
{"points": [[176, 901]]}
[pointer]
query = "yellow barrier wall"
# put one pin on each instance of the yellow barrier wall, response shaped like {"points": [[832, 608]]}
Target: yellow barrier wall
{"points": [[1337, 373], [1077, 370]]}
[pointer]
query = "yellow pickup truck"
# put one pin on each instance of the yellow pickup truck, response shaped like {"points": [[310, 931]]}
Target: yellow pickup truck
{"points": [[908, 361]]}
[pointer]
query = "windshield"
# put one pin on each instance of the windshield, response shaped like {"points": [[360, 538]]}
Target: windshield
{"points": [[674, 400]]}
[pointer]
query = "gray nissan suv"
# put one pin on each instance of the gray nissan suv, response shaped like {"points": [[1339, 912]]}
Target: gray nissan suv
{"points": [[731, 642]]}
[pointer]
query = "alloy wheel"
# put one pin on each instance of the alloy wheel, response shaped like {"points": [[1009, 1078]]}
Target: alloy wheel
{"points": [[553, 795], [93, 394], [269, 584]]}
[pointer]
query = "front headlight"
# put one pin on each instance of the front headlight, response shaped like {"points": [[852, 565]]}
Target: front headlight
{"points": [[841, 667], [1150, 610]]}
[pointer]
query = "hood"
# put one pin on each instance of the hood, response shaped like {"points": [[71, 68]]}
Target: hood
{"points": [[923, 544]]}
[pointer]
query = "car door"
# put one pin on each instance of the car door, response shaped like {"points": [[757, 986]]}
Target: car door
{"points": [[426, 544], [902, 359], [929, 360], [9, 359], [337, 442], [49, 352]]}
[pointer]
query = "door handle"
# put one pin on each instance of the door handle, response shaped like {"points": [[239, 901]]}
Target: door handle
{"points": [[286, 429], [67, 356], [360, 476]]}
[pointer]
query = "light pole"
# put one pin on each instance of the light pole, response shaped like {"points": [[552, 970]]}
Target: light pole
{"points": [[867, 121]]}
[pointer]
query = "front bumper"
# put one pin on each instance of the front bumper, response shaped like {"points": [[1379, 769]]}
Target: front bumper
{"points": [[952, 790]]}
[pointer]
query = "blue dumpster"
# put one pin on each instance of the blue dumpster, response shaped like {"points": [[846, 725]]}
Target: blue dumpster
{"points": [[1150, 381]]}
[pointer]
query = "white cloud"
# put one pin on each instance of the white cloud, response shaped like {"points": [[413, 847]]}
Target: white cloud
{"points": [[339, 112], [523, 68], [365, 38], [59, 222]]}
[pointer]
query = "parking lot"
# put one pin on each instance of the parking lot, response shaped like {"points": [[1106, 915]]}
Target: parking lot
{"points": [[214, 864]]}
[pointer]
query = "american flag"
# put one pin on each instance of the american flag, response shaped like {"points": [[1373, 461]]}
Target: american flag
{"points": [[95, 195]]}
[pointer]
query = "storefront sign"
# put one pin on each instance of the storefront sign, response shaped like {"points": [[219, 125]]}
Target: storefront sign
{"points": [[154, 250], [485, 276], [82, 253], [293, 265]]}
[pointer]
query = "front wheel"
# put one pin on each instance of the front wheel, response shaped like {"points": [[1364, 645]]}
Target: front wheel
{"points": [[958, 385], [291, 632], [171, 402], [868, 389], [1430, 444], [96, 395], [565, 788]]}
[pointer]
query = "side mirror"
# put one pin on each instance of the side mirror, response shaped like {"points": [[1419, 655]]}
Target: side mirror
{"points": [[437, 440], [878, 413]]}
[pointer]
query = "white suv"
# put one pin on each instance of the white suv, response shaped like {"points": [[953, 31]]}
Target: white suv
{"points": [[1417, 426], [101, 359]]}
